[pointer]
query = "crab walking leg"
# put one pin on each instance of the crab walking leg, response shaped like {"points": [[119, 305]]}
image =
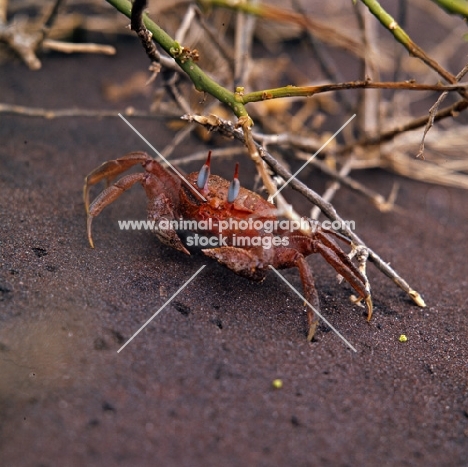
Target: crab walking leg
{"points": [[111, 169], [310, 293], [343, 265], [108, 196], [246, 263]]}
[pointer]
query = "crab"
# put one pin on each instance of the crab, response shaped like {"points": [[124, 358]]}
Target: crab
{"points": [[203, 197]]}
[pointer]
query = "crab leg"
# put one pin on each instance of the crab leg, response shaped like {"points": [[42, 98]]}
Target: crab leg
{"points": [[108, 196], [343, 265], [310, 293], [111, 169]]}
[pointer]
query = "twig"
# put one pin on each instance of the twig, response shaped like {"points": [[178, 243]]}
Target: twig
{"points": [[228, 129], [450, 111], [245, 28], [184, 58], [237, 100], [68, 48], [327, 34], [441, 174], [50, 19], [215, 152], [213, 36], [246, 125], [402, 18], [376, 199], [26, 40], [335, 186], [326, 62], [308, 91], [402, 37], [434, 109], [186, 23], [61, 113], [369, 99], [331, 213], [302, 142], [178, 138], [21, 41], [457, 7]]}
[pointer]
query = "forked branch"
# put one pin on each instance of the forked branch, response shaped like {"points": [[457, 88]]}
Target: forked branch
{"points": [[228, 129]]}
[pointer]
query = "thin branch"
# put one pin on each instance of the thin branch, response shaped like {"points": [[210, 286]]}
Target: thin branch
{"points": [[50, 19], [402, 19], [245, 28], [331, 213], [185, 59], [61, 113], [402, 37], [226, 128], [308, 91], [334, 187], [213, 36], [376, 199], [252, 147], [298, 141], [450, 111], [186, 24], [326, 62], [434, 109], [328, 34], [68, 48], [456, 7], [369, 100], [25, 39], [237, 100]]}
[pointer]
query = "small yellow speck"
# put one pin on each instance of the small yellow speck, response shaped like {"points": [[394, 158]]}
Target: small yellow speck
{"points": [[393, 25], [277, 383], [402, 338]]}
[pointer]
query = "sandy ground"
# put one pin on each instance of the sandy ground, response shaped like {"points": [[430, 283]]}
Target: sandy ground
{"points": [[195, 386]]}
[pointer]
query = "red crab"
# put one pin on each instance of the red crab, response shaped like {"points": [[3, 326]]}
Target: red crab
{"points": [[210, 198]]}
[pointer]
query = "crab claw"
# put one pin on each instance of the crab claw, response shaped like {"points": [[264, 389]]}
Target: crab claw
{"points": [[234, 187], [204, 174]]}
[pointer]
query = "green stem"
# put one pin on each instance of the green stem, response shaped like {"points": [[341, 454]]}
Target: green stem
{"points": [[202, 82], [402, 37], [308, 91], [456, 7]]}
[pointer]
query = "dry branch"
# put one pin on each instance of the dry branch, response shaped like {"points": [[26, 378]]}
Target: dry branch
{"points": [[229, 130]]}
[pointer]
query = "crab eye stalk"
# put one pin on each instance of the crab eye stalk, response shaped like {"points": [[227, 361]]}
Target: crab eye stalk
{"points": [[204, 174], [234, 187]]}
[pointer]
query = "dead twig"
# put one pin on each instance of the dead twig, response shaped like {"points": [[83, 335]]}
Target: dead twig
{"points": [[382, 204], [434, 109], [61, 113], [450, 111], [171, 77], [228, 129], [69, 48], [25, 39]]}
